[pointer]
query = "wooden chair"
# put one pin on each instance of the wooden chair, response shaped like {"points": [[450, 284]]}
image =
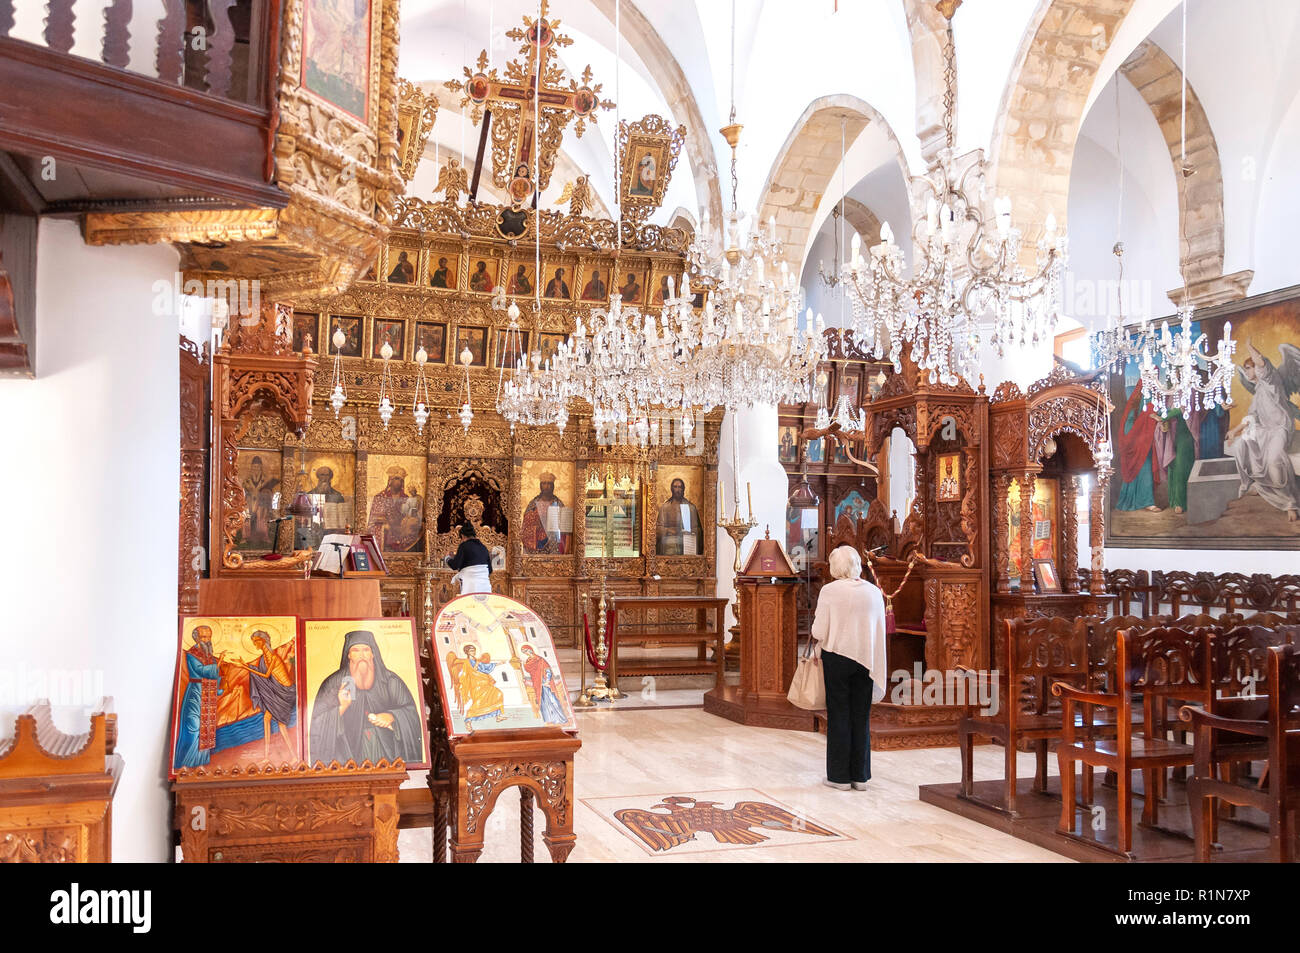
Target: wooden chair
{"points": [[1155, 665], [1037, 653], [1272, 721]]}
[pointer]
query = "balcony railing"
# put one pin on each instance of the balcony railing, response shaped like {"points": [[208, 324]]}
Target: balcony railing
{"points": [[177, 92]]}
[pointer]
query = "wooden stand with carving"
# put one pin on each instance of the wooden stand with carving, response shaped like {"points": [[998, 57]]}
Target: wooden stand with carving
{"points": [[769, 616], [289, 815], [56, 790], [538, 761]]}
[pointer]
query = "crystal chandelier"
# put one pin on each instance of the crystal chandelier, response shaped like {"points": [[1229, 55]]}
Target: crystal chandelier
{"points": [[466, 408], [966, 268]]}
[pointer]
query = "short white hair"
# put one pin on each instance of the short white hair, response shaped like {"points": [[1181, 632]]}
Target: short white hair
{"points": [[846, 563]]}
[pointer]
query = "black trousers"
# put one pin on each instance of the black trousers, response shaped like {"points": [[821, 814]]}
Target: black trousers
{"points": [[848, 718]]}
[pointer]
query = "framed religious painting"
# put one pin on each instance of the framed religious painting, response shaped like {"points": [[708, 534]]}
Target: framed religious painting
{"points": [[521, 278], [947, 479], [236, 694], [787, 444], [548, 343], [649, 149], [665, 284], [1045, 576], [612, 505], [483, 274], [352, 332], [444, 270], [850, 385], [595, 285], [416, 112], [339, 42], [511, 348], [401, 265], [557, 281], [258, 472], [371, 271], [497, 668], [432, 336], [631, 285], [330, 485], [394, 501], [546, 496], [1044, 507], [362, 692], [1221, 477], [679, 491], [816, 450], [475, 341], [821, 386], [388, 332]]}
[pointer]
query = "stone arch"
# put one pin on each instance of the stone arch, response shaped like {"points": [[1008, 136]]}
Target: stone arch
{"points": [[670, 78], [683, 218], [1043, 106], [928, 30], [862, 220], [807, 162], [1200, 195]]}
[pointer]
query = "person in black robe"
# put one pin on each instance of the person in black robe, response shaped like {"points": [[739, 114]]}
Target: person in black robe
{"points": [[363, 711], [472, 562]]}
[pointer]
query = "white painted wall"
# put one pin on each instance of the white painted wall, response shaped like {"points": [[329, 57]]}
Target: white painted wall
{"points": [[88, 580]]}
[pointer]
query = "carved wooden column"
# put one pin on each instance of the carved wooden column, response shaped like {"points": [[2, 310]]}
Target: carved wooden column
{"points": [[1097, 531], [1069, 561], [192, 555], [1001, 527], [1026, 480]]}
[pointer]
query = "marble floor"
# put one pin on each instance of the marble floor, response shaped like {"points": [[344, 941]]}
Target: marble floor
{"points": [[657, 751]]}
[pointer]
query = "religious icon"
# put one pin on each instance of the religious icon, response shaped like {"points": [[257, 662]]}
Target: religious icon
{"points": [[557, 286], [875, 383], [547, 344], [1043, 515], [854, 505], [483, 275], [522, 280], [547, 519], [304, 331], [390, 332], [594, 289], [432, 336], [1045, 576], [258, 472], [396, 508], [850, 386], [369, 274], [660, 292], [788, 444], [328, 483], [498, 667], [362, 692], [632, 289], [510, 347], [645, 172], [475, 339], [403, 270], [816, 453], [948, 471], [236, 702], [444, 272], [478, 88], [351, 328], [336, 53], [841, 452], [821, 386], [678, 531], [521, 186]]}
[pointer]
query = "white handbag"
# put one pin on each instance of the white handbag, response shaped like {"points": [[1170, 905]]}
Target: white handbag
{"points": [[808, 687]]}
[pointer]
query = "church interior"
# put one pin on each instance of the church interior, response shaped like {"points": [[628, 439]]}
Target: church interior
{"points": [[480, 403]]}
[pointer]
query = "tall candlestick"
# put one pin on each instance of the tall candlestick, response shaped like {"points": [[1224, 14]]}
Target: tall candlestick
{"points": [[749, 494], [722, 500]]}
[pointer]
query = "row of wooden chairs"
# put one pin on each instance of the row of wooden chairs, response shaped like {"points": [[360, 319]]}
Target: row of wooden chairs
{"points": [[1107, 692]]}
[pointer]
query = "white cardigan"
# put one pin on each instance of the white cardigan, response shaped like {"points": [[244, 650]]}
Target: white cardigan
{"points": [[850, 621]]}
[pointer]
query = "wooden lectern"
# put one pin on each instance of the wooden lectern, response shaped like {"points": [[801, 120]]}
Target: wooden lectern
{"points": [[767, 588]]}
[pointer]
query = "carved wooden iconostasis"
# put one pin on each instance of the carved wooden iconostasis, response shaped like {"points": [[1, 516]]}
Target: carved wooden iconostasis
{"points": [[844, 489], [953, 548]]}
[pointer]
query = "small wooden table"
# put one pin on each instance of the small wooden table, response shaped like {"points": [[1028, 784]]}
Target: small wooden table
{"points": [[702, 635]]}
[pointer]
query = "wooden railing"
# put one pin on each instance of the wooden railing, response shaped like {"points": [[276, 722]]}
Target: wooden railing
{"points": [[1178, 592], [185, 100], [214, 46]]}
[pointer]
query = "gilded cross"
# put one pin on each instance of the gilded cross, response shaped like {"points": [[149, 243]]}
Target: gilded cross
{"points": [[530, 103]]}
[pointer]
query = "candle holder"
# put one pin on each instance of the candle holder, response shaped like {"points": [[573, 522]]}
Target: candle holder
{"points": [[738, 529]]}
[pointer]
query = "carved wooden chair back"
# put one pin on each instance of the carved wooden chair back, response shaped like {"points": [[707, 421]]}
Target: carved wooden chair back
{"points": [[1103, 637], [1166, 662], [1039, 652], [1240, 658]]}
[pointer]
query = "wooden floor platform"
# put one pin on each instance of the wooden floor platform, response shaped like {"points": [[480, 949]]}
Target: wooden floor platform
{"points": [[1039, 814]]}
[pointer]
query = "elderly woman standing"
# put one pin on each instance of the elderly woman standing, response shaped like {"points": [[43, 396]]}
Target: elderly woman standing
{"points": [[849, 628]]}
